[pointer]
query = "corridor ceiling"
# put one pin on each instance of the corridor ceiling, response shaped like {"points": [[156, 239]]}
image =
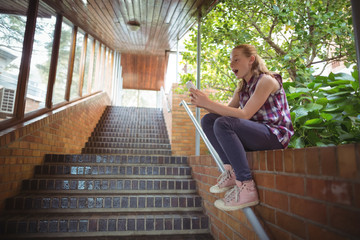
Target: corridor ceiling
{"points": [[143, 52], [161, 21]]}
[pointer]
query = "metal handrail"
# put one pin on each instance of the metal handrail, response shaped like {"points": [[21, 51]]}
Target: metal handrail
{"points": [[248, 211]]}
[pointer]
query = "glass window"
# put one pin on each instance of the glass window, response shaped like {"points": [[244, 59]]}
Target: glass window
{"points": [[12, 29], [88, 59], [94, 69], [74, 92], [40, 62], [63, 63], [139, 98], [100, 79]]}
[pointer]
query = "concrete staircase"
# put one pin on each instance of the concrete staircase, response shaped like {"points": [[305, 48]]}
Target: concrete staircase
{"points": [[125, 184]]}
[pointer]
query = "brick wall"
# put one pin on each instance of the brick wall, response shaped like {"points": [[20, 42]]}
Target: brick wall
{"points": [[311, 193], [64, 131], [183, 130]]}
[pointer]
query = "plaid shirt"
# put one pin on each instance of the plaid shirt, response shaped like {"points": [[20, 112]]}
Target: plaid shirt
{"points": [[275, 113]]}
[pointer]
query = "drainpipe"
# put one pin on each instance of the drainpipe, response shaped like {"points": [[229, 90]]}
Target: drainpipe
{"points": [[198, 59], [355, 5], [177, 61]]}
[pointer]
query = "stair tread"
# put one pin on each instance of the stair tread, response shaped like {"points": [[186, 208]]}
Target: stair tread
{"points": [[126, 183]]}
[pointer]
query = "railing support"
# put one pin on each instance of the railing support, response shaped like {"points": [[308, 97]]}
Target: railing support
{"points": [[248, 211]]}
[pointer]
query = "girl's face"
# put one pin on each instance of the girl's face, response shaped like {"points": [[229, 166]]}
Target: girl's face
{"points": [[240, 64]]}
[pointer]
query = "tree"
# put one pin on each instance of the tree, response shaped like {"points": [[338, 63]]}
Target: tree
{"points": [[291, 35]]}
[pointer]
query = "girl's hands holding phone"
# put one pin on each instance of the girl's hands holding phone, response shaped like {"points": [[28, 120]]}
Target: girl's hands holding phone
{"points": [[198, 98]]}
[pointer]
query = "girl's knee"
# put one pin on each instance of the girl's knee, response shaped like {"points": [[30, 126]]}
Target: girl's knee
{"points": [[209, 119], [222, 123]]}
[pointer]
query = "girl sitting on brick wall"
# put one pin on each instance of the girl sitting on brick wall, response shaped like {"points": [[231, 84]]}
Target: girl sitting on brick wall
{"points": [[257, 118]]}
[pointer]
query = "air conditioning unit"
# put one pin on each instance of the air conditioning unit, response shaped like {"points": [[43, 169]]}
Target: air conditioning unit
{"points": [[7, 102]]}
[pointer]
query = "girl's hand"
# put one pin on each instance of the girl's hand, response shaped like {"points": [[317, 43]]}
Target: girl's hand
{"points": [[198, 98]]}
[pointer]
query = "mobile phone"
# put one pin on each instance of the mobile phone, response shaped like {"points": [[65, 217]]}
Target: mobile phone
{"points": [[190, 84]]}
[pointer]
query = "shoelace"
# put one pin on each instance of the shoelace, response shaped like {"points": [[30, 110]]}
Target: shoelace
{"points": [[225, 175], [234, 193]]}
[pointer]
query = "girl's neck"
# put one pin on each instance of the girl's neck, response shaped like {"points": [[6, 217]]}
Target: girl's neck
{"points": [[247, 77]]}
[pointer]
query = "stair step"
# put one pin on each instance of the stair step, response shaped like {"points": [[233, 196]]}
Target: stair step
{"points": [[135, 151], [131, 130], [60, 225], [105, 203], [112, 170], [87, 185], [130, 135], [128, 140], [130, 125], [127, 145], [118, 159]]}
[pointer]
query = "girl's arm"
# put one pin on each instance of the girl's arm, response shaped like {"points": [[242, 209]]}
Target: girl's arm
{"points": [[235, 101], [264, 88]]}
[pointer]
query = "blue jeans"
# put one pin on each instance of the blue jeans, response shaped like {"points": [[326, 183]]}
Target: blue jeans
{"points": [[232, 137]]}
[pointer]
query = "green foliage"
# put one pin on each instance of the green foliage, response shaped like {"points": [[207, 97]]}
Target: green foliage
{"points": [[292, 36], [325, 110]]}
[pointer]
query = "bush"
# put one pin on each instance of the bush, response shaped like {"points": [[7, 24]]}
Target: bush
{"points": [[325, 110]]}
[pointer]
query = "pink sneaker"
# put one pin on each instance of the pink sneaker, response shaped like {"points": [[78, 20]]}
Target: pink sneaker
{"points": [[241, 196], [225, 181]]}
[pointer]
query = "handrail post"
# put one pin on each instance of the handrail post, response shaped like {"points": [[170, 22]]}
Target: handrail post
{"points": [[248, 211]]}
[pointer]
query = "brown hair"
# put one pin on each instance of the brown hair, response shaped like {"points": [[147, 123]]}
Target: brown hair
{"points": [[258, 66]]}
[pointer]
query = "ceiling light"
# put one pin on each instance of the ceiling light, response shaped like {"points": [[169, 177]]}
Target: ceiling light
{"points": [[133, 25]]}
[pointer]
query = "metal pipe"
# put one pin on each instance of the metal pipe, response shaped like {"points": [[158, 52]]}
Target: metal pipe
{"points": [[204, 137], [355, 5], [248, 211], [198, 71]]}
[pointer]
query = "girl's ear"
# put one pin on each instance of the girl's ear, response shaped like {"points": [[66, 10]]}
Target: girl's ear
{"points": [[252, 59]]}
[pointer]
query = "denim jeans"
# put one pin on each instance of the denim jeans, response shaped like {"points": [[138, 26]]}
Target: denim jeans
{"points": [[232, 137]]}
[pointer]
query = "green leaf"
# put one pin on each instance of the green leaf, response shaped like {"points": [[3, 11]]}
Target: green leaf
{"points": [[313, 106], [300, 112], [326, 116], [314, 121]]}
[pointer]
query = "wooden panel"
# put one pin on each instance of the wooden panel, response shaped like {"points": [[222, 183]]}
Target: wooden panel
{"points": [[162, 21], [145, 72]]}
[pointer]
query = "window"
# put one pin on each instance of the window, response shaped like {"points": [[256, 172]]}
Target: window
{"points": [[12, 29], [74, 92], [88, 59], [94, 87], [62, 64], [140, 98], [40, 62]]}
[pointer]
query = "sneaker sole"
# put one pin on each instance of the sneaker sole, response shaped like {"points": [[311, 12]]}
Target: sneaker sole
{"points": [[215, 189], [220, 205]]}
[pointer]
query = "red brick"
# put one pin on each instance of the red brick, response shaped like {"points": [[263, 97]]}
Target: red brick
{"points": [[265, 180], [279, 160], [270, 162], [290, 184], [291, 224], [277, 200], [266, 213], [327, 190], [255, 161], [347, 161], [328, 161], [316, 233], [262, 160], [299, 160], [345, 220], [357, 195], [308, 209], [289, 160], [277, 233], [312, 161]]}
